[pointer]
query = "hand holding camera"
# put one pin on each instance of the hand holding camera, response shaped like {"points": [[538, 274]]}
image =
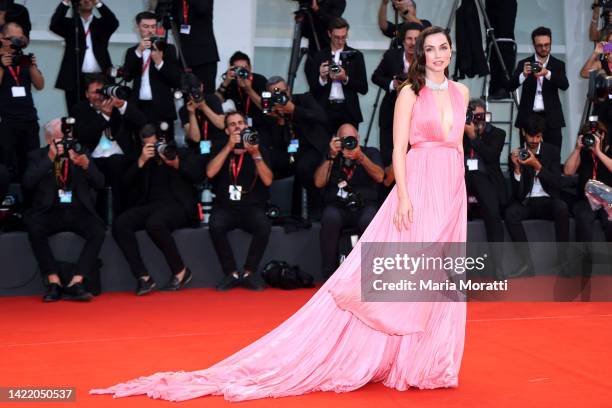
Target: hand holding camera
{"points": [[7, 60], [539, 70], [340, 75], [80, 160], [356, 154], [145, 44], [335, 147], [324, 70], [106, 107], [527, 69]]}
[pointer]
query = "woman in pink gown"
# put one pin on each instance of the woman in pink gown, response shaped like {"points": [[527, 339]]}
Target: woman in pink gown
{"points": [[336, 342]]}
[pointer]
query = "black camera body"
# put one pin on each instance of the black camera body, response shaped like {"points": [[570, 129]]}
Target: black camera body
{"points": [[249, 137], [158, 43], [473, 117], [241, 72], [333, 67], [167, 149], [19, 57], [523, 154], [116, 91], [68, 142], [600, 85], [590, 137], [536, 67], [349, 143], [190, 88]]}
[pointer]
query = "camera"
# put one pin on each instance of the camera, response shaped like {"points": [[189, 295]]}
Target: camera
{"points": [[158, 43], [115, 91], [241, 72], [536, 67], [19, 58], [349, 143], [280, 97], [162, 147], [68, 141], [249, 137], [600, 85], [333, 67], [523, 154], [589, 138], [473, 117], [190, 88]]}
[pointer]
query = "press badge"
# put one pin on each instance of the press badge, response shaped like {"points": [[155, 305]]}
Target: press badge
{"points": [[342, 193], [205, 146], [18, 91], [65, 197], [105, 144], [472, 164], [294, 145], [235, 192], [185, 29]]}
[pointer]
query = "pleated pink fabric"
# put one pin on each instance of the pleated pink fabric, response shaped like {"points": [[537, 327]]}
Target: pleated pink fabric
{"points": [[338, 343]]}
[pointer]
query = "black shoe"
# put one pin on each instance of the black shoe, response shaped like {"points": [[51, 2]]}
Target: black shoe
{"points": [[175, 284], [253, 282], [53, 293], [227, 283], [145, 286], [77, 292]]}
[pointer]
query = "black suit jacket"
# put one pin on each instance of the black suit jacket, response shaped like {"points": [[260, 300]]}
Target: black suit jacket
{"points": [[549, 176], [39, 178], [357, 82], [182, 182], [328, 10], [124, 128], [101, 30], [550, 92], [162, 81], [391, 64], [199, 46], [488, 149]]}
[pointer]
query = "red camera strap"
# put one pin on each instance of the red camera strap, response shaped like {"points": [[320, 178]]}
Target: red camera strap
{"points": [[348, 173], [146, 64], [594, 165], [15, 74], [185, 12]]}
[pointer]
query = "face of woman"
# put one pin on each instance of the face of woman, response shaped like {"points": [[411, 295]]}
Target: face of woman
{"points": [[437, 52]]}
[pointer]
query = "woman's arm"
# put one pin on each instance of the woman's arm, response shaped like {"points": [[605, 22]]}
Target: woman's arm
{"points": [[401, 138]]}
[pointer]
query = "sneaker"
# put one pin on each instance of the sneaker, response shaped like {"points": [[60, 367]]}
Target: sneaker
{"points": [[227, 283], [253, 282], [175, 284], [145, 286], [53, 293], [77, 292]]}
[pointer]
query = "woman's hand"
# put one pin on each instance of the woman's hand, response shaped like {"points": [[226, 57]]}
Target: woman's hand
{"points": [[403, 214]]}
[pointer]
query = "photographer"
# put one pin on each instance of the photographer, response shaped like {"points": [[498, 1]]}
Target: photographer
{"points": [[164, 177], [241, 179], [19, 125], [195, 19], [243, 87], [153, 66], [61, 180], [482, 146], [94, 34], [541, 76], [15, 13], [598, 59], [391, 72], [202, 117], [341, 76], [108, 126], [595, 33], [406, 10], [591, 159], [350, 177], [536, 184]]}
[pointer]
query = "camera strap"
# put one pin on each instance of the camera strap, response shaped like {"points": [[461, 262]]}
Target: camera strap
{"points": [[15, 74], [594, 165], [146, 64], [248, 101], [236, 169], [348, 172], [185, 12], [61, 172], [205, 127]]}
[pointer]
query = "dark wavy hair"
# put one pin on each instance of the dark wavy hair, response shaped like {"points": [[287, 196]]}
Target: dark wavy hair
{"points": [[416, 73]]}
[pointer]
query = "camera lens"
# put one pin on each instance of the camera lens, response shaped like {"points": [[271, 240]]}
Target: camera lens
{"points": [[349, 143]]}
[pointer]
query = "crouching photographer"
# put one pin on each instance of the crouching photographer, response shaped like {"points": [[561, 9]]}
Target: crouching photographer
{"points": [[164, 176], [241, 178], [350, 177], [62, 179], [590, 159]]}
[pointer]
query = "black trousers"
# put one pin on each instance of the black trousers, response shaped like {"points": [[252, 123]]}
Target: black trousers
{"points": [[386, 145], [251, 219], [40, 226], [17, 139], [152, 117], [333, 220], [159, 219], [73, 96], [481, 186], [553, 136], [114, 168], [585, 217], [337, 115], [4, 181], [502, 16], [207, 73]]}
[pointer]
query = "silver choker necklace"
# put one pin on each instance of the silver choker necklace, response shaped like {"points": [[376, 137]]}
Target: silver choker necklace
{"points": [[436, 87]]}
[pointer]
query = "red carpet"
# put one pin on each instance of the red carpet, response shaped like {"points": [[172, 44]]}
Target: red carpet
{"points": [[516, 355]]}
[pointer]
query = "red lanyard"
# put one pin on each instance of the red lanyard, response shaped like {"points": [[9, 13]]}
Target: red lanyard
{"points": [[15, 74], [88, 32], [185, 12], [204, 126], [248, 101], [236, 170], [63, 173], [471, 152], [594, 166], [348, 173], [146, 64]]}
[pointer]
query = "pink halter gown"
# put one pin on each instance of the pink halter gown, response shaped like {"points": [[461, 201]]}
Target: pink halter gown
{"points": [[336, 342]]}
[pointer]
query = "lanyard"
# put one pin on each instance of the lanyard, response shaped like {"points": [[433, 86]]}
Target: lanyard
{"points": [[348, 173], [471, 152], [15, 74], [88, 32], [146, 65], [185, 12], [594, 166], [248, 101], [204, 125], [61, 172], [236, 170]]}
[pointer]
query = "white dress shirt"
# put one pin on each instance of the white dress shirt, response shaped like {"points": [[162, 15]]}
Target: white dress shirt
{"points": [[146, 94], [90, 64], [538, 102], [537, 190]]}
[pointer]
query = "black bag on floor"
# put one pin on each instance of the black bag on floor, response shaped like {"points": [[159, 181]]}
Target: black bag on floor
{"points": [[279, 274]]}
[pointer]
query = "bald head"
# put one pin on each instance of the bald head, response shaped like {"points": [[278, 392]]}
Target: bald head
{"points": [[347, 130]]}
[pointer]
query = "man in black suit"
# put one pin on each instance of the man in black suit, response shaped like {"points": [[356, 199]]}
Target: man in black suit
{"points": [[541, 76], [61, 182], [482, 146], [15, 13], [94, 35], [155, 70], [341, 75], [167, 202], [241, 177], [198, 39], [108, 127], [536, 184], [389, 75]]}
